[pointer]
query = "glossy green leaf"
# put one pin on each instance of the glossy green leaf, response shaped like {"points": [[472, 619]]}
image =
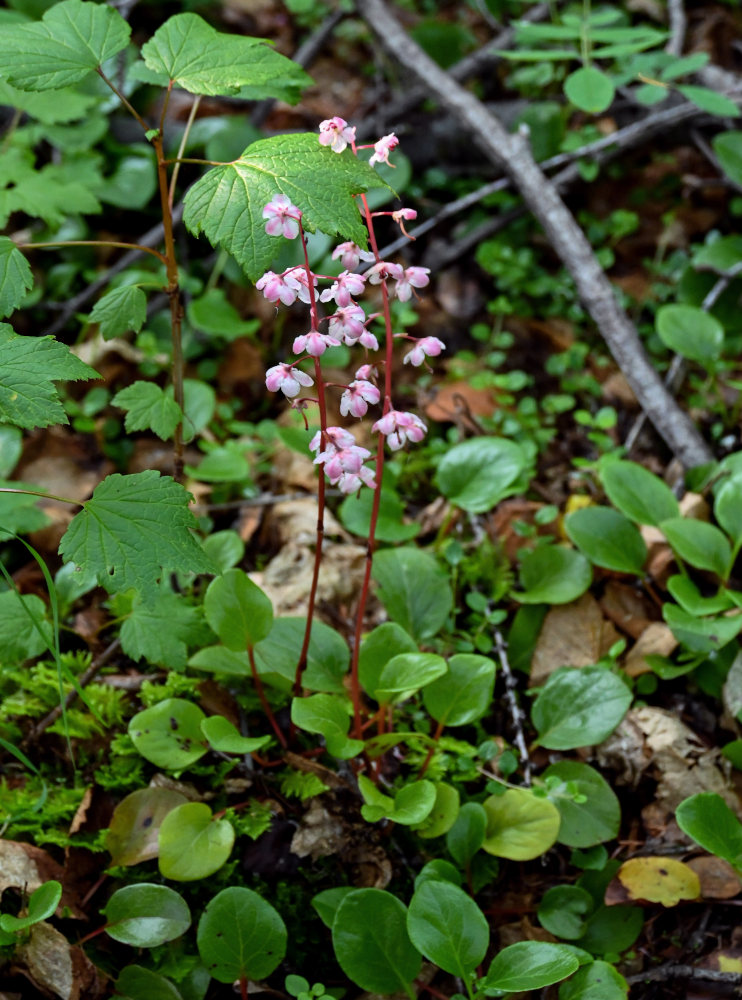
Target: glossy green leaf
{"points": [[710, 100], [478, 473], [443, 815], [226, 737], [133, 530], [378, 648], [42, 903], [169, 733], [728, 508], [240, 936], [563, 909], [328, 715], [464, 693], [690, 331], [237, 609], [71, 41], [467, 834], [597, 981], [137, 983], [638, 493], [412, 804], [699, 543], [118, 311], [701, 635], [579, 707], [355, 515], [148, 408], [587, 823], [15, 276], [135, 824], [728, 148], [607, 538], [721, 255], [224, 548], [612, 929], [589, 89], [520, 825], [328, 656], [326, 903], [160, 632], [146, 915], [226, 204], [371, 942], [193, 844], [31, 365], [414, 589], [406, 673], [530, 965], [708, 819], [553, 574], [447, 927]]}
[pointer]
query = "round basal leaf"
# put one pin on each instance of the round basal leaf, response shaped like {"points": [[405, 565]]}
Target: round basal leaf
{"points": [[587, 823], [464, 693], [607, 538], [406, 673], [612, 929], [443, 814], [414, 589], [590, 90], [597, 981], [659, 880], [326, 903], [169, 734], [438, 870], [530, 965], [477, 474], [138, 983], [520, 826], [553, 574], [226, 738], [135, 824], [638, 493], [579, 707], [378, 648], [146, 915], [238, 610], [467, 834], [192, 843], [690, 331], [699, 543], [711, 823], [328, 715], [328, 656], [720, 256], [728, 148], [413, 803], [728, 508], [563, 910], [371, 942], [355, 516], [224, 548], [447, 926], [240, 935], [42, 903]]}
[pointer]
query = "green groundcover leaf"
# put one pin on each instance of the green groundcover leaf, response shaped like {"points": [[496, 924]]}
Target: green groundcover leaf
{"points": [[73, 39], [464, 693], [146, 915], [19, 637], [520, 825], [707, 818], [690, 331], [203, 61], [597, 980], [608, 538], [30, 366], [193, 844], [530, 965], [579, 707], [226, 204], [132, 530], [589, 89], [240, 935], [160, 632], [169, 733], [447, 926], [414, 589], [138, 983], [638, 493], [553, 574], [587, 823], [148, 408], [477, 474], [120, 310], [15, 276]]}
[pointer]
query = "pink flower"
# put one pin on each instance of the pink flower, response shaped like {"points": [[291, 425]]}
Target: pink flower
{"points": [[413, 277], [346, 285], [351, 482], [336, 133], [383, 148], [286, 378], [347, 322], [338, 461], [274, 287], [429, 347], [366, 340], [337, 437], [404, 214], [351, 255], [314, 343], [282, 217], [398, 427], [356, 398], [366, 372], [296, 278], [383, 271]]}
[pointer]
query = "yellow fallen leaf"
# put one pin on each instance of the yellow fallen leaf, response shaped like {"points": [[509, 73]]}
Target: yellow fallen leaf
{"points": [[729, 964], [659, 880]]}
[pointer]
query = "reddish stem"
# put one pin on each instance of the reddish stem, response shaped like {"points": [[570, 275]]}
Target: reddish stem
{"points": [[243, 987], [431, 750], [263, 700]]}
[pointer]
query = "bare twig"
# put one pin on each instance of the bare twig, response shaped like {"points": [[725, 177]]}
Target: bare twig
{"points": [[672, 971], [512, 153], [516, 712], [678, 24]]}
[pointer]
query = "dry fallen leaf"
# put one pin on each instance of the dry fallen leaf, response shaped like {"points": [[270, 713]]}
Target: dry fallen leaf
{"points": [[55, 965], [717, 877], [655, 640], [573, 635], [135, 824], [653, 880]]}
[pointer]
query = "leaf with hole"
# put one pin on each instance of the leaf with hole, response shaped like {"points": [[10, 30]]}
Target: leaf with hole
{"points": [[658, 880]]}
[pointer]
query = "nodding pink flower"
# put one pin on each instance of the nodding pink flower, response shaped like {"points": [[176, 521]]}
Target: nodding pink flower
{"points": [[384, 271], [274, 287], [345, 285], [286, 378], [383, 148], [366, 372], [336, 133], [426, 347], [314, 343], [336, 437], [356, 398], [404, 214], [366, 340], [347, 322], [351, 255], [398, 427], [413, 277], [337, 461], [282, 217], [296, 278], [351, 482]]}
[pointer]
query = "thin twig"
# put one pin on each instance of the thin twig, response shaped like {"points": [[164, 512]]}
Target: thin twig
{"points": [[678, 24], [516, 712], [672, 971]]}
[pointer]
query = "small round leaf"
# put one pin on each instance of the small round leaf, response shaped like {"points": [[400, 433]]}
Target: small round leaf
{"points": [[477, 474], [520, 826], [192, 843], [146, 915], [169, 733], [240, 935]]}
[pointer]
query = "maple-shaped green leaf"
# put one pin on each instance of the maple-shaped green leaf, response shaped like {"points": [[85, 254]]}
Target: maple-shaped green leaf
{"points": [[15, 276], [148, 408], [29, 366], [227, 203], [161, 632], [119, 310], [204, 61], [50, 106], [133, 530], [20, 639], [72, 40]]}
